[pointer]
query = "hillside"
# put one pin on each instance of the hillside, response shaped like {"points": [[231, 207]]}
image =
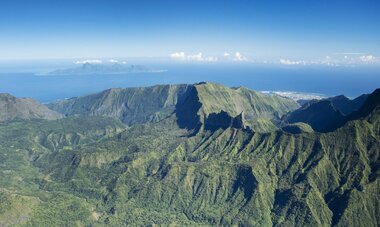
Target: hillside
{"points": [[96, 171], [322, 116], [130, 105], [346, 105], [153, 104], [12, 108], [328, 114]]}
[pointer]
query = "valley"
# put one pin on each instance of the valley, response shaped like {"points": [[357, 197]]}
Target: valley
{"points": [[199, 154]]}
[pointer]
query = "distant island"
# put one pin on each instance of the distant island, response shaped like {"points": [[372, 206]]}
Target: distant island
{"points": [[105, 68]]}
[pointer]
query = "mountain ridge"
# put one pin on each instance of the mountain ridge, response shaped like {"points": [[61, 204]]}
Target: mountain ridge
{"points": [[213, 170], [12, 108], [326, 115], [165, 99]]}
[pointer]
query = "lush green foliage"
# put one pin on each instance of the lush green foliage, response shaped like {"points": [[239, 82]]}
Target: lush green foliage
{"points": [[82, 171], [152, 104]]}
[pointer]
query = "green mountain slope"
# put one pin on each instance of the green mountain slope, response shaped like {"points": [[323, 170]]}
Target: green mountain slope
{"points": [[153, 104], [164, 173], [254, 107], [12, 108], [130, 105]]}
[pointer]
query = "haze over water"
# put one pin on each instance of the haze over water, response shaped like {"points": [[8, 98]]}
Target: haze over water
{"points": [[327, 81]]}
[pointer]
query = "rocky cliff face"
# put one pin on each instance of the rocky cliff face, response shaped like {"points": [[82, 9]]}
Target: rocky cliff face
{"points": [[223, 120]]}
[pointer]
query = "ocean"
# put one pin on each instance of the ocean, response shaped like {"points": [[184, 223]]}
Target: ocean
{"points": [[326, 81]]}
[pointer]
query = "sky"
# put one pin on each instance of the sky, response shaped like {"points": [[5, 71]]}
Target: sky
{"points": [[291, 32]]}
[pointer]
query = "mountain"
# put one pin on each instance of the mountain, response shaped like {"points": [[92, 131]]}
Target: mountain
{"points": [[96, 171], [327, 114], [190, 102], [322, 116], [347, 106], [130, 105], [105, 69], [367, 109], [255, 108], [12, 108]]}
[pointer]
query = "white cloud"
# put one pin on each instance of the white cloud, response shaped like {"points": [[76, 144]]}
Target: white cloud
{"points": [[113, 61], [336, 60], [239, 57], [200, 57], [326, 61], [196, 57], [178, 56], [290, 62], [349, 60], [91, 61], [368, 59]]}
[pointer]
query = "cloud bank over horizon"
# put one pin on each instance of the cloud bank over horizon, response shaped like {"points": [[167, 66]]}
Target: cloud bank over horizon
{"points": [[347, 59], [200, 57], [335, 59]]}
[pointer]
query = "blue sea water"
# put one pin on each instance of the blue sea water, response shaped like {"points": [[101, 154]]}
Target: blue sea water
{"points": [[328, 81]]}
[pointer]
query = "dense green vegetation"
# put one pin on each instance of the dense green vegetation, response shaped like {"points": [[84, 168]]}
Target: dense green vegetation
{"points": [[152, 104], [96, 171]]}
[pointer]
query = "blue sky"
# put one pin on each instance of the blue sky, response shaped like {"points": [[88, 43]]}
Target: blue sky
{"points": [[295, 31]]}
